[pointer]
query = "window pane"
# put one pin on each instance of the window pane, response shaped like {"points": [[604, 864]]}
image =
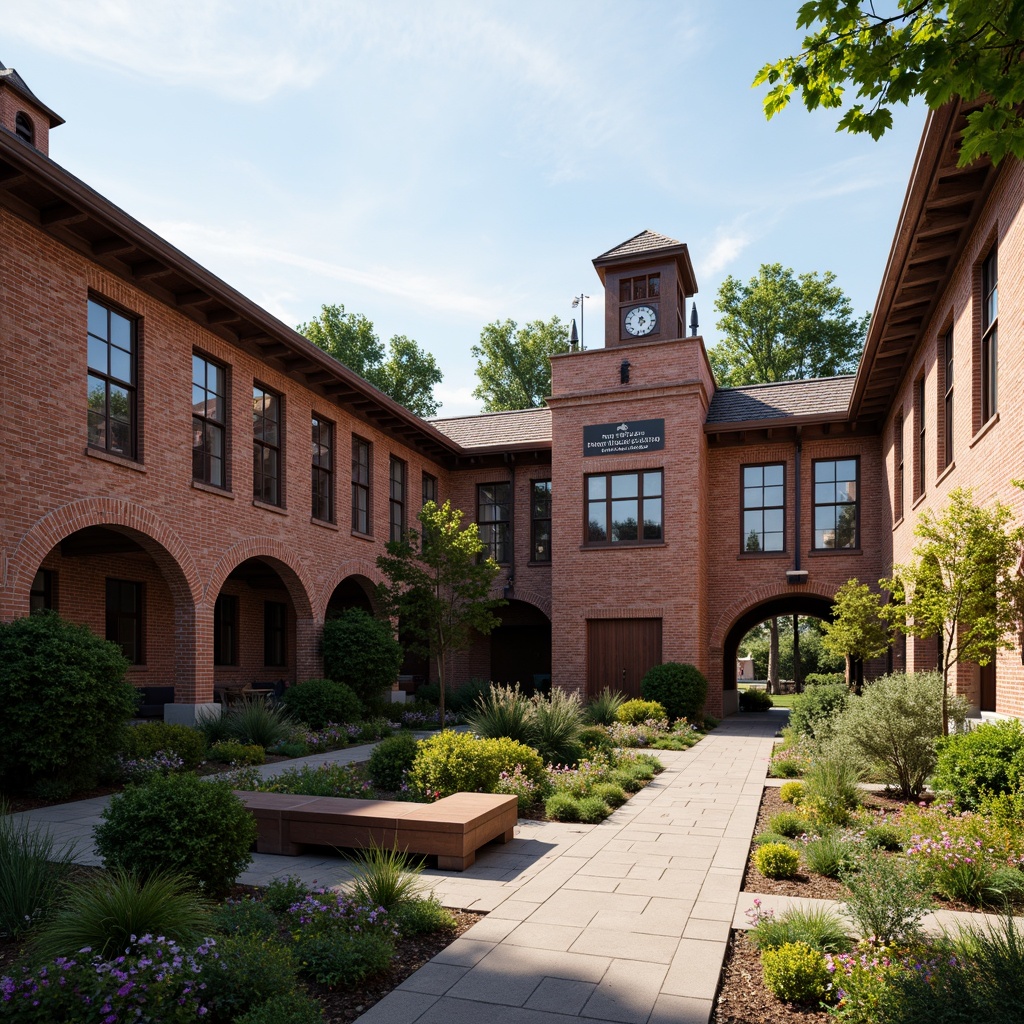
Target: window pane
{"points": [[596, 527], [120, 331], [597, 487], [97, 355], [773, 475], [625, 485], [652, 519], [773, 542], [120, 365], [846, 470], [624, 520], [752, 497], [652, 484], [753, 476], [846, 491], [97, 319], [773, 520], [198, 372], [773, 497], [846, 527], [120, 437], [824, 472], [824, 493]]}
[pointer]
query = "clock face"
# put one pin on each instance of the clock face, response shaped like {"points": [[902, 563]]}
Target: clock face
{"points": [[641, 320]]}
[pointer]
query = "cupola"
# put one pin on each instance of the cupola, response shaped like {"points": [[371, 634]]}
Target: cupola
{"points": [[23, 114]]}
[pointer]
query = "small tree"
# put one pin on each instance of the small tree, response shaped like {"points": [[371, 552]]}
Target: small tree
{"points": [[361, 652], [963, 584], [858, 630], [438, 585]]}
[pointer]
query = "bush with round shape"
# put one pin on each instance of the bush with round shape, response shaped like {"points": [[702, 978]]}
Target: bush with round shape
{"points": [[505, 754], [815, 711], [593, 810], [291, 1008], [247, 971], [595, 739], [636, 712], [987, 759], [831, 787], [755, 700], [232, 752], [791, 792], [788, 823], [786, 768], [65, 701], [613, 795], [316, 702], [562, 807], [362, 652], [423, 917], [776, 860], [830, 855], [147, 739], [391, 759], [825, 679], [679, 688], [884, 837], [453, 762], [178, 823], [282, 893], [795, 973]]}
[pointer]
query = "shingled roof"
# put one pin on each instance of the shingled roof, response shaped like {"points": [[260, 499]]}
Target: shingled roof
{"points": [[498, 429], [821, 398], [11, 77], [646, 241]]}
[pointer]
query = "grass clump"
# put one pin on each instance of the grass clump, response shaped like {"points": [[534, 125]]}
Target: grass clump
{"points": [[385, 878], [603, 707], [503, 711], [821, 928], [830, 855], [562, 807], [788, 823], [253, 721]]}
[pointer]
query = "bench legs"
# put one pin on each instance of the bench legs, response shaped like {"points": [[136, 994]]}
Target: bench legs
{"points": [[456, 863]]}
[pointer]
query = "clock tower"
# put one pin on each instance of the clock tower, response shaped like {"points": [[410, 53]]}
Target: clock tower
{"points": [[647, 280]]}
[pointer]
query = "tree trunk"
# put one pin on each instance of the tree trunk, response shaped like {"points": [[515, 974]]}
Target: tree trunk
{"points": [[773, 657], [798, 676], [440, 687], [849, 670]]}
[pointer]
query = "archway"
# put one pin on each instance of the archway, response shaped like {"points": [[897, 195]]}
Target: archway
{"points": [[520, 648], [352, 592]]}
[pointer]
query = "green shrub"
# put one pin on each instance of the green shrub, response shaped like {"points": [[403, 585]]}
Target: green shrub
{"points": [[626, 778], [107, 912], [635, 712], [593, 809], [821, 928], [815, 711], [830, 855], [680, 689], [178, 823], [65, 702], [613, 795], [422, 917], [504, 754], [452, 762], [292, 1008], [316, 702], [795, 973], [247, 971], [595, 739], [987, 759], [462, 699], [231, 752], [791, 792], [776, 860], [335, 958], [214, 726], [825, 679], [886, 900], [557, 721], [562, 807], [755, 700], [362, 652], [503, 711], [32, 871], [385, 878], [256, 722], [391, 759], [246, 916], [787, 767], [282, 893], [884, 837], [146, 739], [788, 823], [831, 787], [603, 707], [773, 837]]}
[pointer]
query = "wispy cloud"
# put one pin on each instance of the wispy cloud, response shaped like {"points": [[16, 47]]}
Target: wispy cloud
{"points": [[727, 246]]}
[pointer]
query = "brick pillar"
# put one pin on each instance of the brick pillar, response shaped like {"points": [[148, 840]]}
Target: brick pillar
{"points": [[309, 658]]}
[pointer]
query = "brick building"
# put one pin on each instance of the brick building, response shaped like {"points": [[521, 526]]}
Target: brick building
{"points": [[191, 478]]}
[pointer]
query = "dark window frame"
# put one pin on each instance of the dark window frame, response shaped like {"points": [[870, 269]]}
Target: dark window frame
{"points": [[203, 424], [362, 486], [275, 634], [744, 508], [225, 629], [540, 540], [323, 433], [607, 501], [25, 128], [920, 437], [496, 533], [398, 488], [42, 595], [267, 481], [898, 467], [108, 379], [948, 405], [815, 504], [990, 335], [135, 618], [429, 488], [640, 287]]}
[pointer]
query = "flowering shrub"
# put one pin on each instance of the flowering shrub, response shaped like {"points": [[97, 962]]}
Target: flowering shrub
{"points": [[959, 868], [633, 712], [516, 783], [347, 780], [138, 769], [795, 973], [330, 737], [324, 910], [638, 734], [577, 781], [153, 980]]}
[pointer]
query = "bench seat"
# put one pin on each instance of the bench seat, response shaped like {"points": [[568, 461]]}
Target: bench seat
{"points": [[451, 829]]}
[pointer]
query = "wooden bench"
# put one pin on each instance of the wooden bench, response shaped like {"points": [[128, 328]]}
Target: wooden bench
{"points": [[452, 829]]}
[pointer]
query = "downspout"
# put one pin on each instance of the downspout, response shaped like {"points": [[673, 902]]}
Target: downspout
{"points": [[799, 511], [510, 582]]}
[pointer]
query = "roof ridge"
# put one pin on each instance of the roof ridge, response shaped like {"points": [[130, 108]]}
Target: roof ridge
{"points": [[492, 412], [779, 383]]}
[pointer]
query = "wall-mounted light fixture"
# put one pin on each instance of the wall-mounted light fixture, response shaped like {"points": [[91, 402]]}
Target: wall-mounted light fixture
{"points": [[509, 588], [624, 372]]}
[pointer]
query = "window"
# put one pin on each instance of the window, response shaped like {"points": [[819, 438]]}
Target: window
{"points": [[323, 469], [42, 596], [920, 474], [111, 393], [835, 504], [266, 445], [225, 630], [360, 485], [617, 503], [764, 513], [429, 488], [897, 458], [646, 287], [275, 634], [989, 335], [397, 498], [494, 519], [540, 520], [209, 421], [24, 128], [125, 614], [947, 405]]}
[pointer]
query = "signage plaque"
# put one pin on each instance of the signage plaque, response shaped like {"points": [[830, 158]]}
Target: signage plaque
{"points": [[627, 437]]}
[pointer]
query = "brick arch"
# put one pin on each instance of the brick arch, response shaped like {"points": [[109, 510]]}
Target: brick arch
{"points": [[763, 595], [530, 596], [350, 567], [163, 545], [282, 558]]}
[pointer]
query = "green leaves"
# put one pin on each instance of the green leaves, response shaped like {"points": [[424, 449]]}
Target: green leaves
{"points": [[512, 363]]}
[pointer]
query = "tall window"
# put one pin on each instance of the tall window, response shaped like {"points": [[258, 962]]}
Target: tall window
{"points": [[111, 389], [397, 498], [275, 633], [125, 616], [266, 445], [764, 512], [624, 508], [24, 128], [225, 630], [494, 519], [836, 519], [897, 458], [989, 335], [646, 287], [920, 475], [429, 488], [209, 421], [43, 593], [947, 405], [540, 520], [323, 469], [360, 485]]}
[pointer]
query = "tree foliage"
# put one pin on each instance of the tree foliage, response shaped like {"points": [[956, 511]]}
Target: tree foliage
{"points": [[935, 49], [780, 326], [404, 371], [512, 362], [439, 586], [858, 630], [813, 657], [963, 584]]}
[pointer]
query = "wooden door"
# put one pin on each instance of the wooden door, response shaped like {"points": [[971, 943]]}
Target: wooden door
{"points": [[619, 653], [988, 685]]}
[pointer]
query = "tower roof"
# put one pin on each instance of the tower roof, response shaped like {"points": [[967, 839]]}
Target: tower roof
{"points": [[644, 242], [11, 78], [648, 247]]}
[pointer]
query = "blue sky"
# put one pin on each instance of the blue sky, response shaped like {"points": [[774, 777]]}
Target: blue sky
{"points": [[437, 166]]}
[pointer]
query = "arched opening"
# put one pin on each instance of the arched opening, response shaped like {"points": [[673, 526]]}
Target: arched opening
{"points": [[520, 648], [351, 592], [24, 128]]}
